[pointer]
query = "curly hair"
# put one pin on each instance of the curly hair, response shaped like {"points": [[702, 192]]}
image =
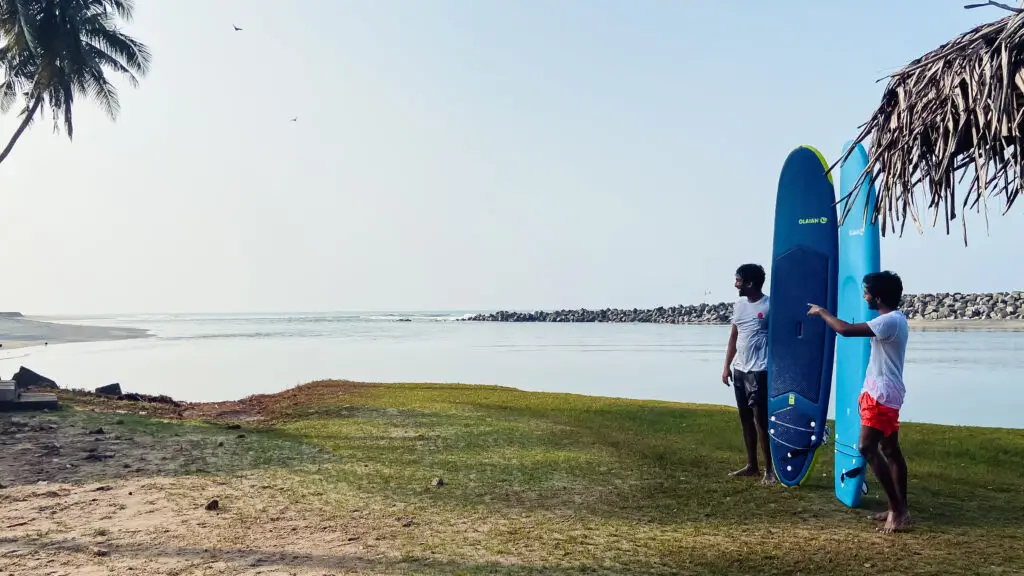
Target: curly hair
{"points": [[885, 286], [752, 273]]}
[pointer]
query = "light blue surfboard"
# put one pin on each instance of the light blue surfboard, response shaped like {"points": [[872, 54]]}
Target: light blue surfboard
{"points": [[801, 350], [858, 255]]}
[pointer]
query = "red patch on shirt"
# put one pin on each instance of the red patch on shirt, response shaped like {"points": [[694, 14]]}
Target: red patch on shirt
{"points": [[760, 315]]}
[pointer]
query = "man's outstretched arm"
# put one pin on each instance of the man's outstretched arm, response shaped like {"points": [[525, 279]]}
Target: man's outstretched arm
{"points": [[842, 327]]}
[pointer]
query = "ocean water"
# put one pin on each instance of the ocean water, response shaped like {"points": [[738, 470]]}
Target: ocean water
{"points": [[960, 378]]}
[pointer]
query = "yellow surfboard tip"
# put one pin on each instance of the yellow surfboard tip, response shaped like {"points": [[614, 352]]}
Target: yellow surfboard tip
{"points": [[810, 469], [824, 163]]}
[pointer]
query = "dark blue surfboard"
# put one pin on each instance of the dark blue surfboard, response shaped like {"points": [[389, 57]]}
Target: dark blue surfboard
{"points": [[801, 348]]}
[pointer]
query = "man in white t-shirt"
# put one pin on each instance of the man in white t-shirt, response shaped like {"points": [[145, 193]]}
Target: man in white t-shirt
{"points": [[883, 392], [746, 364]]}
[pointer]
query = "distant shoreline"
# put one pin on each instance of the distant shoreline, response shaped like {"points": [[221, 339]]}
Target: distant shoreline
{"points": [[17, 331], [950, 310]]}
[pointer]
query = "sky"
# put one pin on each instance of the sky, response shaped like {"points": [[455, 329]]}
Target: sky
{"points": [[461, 155]]}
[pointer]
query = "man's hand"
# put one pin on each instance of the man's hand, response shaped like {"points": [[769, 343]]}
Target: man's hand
{"points": [[726, 375], [841, 327]]}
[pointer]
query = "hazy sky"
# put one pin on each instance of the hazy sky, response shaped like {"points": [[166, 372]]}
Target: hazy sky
{"points": [[461, 155]]}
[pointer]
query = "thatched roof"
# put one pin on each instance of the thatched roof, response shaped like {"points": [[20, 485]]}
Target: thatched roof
{"points": [[952, 115]]}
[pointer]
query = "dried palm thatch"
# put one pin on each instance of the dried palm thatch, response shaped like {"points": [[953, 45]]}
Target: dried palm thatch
{"points": [[955, 112]]}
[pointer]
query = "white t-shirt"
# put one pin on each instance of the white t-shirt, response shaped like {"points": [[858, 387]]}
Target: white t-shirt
{"points": [[751, 320], [884, 377]]}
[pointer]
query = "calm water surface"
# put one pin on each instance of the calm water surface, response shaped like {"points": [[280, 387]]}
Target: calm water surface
{"points": [[966, 378]]}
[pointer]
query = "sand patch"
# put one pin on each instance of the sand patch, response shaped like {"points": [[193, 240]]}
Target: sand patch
{"points": [[162, 526], [93, 493], [47, 449]]}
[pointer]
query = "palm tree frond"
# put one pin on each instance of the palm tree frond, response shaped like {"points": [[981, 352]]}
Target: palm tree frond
{"points": [[61, 97], [54, 50], [955, 113], [96, 85], [97, 55], [125, 9], [134, 54]]}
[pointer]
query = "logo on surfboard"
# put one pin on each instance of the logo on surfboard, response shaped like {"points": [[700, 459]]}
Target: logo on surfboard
{"points": [[821, 220]]}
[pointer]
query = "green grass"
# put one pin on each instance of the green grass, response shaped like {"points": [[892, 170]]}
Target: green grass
{"points": [[541, 482]]}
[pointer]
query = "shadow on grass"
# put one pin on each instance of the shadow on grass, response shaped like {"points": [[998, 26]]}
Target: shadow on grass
{"points": [[256, 558], [879, 558]]}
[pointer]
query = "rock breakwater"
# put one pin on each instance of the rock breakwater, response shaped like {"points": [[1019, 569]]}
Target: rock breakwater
{"points": [[938, 306]]}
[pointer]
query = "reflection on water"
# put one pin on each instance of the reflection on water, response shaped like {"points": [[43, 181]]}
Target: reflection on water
{"points": [[971, 378]]}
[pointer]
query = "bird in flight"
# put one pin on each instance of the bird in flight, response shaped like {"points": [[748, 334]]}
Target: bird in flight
{"points": [[237, 29], [295, 119]]}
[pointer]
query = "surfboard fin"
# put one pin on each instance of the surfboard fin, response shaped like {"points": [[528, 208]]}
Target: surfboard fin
{"points": [[852, 473]]}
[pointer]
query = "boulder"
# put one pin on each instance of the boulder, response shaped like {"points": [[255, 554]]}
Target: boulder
{"points": [[938, 306], [109, 390], [25, 379], [136, 397]]}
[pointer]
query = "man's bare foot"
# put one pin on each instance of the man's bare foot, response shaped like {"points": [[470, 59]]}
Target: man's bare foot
{"points": [[747, 470], [896, 523], [879, 516], [769, 478]]}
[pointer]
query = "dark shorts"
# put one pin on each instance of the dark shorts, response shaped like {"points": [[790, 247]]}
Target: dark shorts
{"points": [[751, 388]]}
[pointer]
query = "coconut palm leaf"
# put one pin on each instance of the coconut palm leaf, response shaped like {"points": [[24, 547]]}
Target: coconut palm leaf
{"points": [[954, 115], [52, 51]]}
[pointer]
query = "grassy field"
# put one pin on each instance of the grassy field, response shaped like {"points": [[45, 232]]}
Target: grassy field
{"points": [[540, 483]]}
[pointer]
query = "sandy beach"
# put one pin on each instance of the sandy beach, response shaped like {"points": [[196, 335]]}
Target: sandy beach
{"points": [[21, 332]]}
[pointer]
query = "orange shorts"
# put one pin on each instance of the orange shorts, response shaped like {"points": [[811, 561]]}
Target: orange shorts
{"points": [[878, 416]]}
